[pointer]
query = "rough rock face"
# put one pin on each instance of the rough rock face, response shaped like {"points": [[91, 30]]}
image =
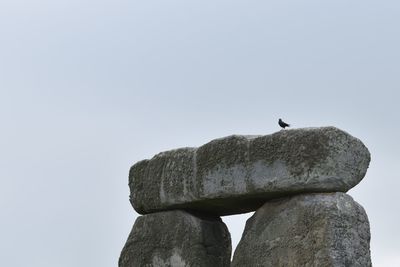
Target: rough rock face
{"points": [[328, 229], [238, 174], [178, 239]]}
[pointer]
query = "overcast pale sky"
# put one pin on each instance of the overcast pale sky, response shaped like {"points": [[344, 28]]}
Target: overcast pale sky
{"points": [[87, 88]]}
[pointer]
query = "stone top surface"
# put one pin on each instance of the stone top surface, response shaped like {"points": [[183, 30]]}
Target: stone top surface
{"points": [[238, 173]]}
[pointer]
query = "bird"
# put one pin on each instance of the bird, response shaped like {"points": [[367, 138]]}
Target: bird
{"points": [[283, 124]]}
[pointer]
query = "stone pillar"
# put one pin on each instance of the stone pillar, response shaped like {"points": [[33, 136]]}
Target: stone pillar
{"points": [[328, 229], [177, 239]]}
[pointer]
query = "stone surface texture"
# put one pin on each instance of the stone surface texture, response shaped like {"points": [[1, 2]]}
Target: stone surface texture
{"points": [[237, 174], [327, 229], [177, 239]]}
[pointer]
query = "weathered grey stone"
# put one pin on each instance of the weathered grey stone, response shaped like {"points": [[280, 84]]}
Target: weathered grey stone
{"points": [[238, 174], [327, 229], [177, 239]]}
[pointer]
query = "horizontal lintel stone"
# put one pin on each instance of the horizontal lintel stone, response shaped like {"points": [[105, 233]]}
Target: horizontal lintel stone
{"points": [[238, 173]]}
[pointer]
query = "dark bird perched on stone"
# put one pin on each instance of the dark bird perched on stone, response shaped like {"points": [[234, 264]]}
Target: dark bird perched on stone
{"points": [[283, 124]]}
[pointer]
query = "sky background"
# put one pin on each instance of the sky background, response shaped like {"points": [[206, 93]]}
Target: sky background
{"points": [[87, 88]]}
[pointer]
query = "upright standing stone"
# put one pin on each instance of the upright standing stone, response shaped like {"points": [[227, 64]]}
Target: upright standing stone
{"points": [[237, 174], [177, 239], [324, 230]]}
